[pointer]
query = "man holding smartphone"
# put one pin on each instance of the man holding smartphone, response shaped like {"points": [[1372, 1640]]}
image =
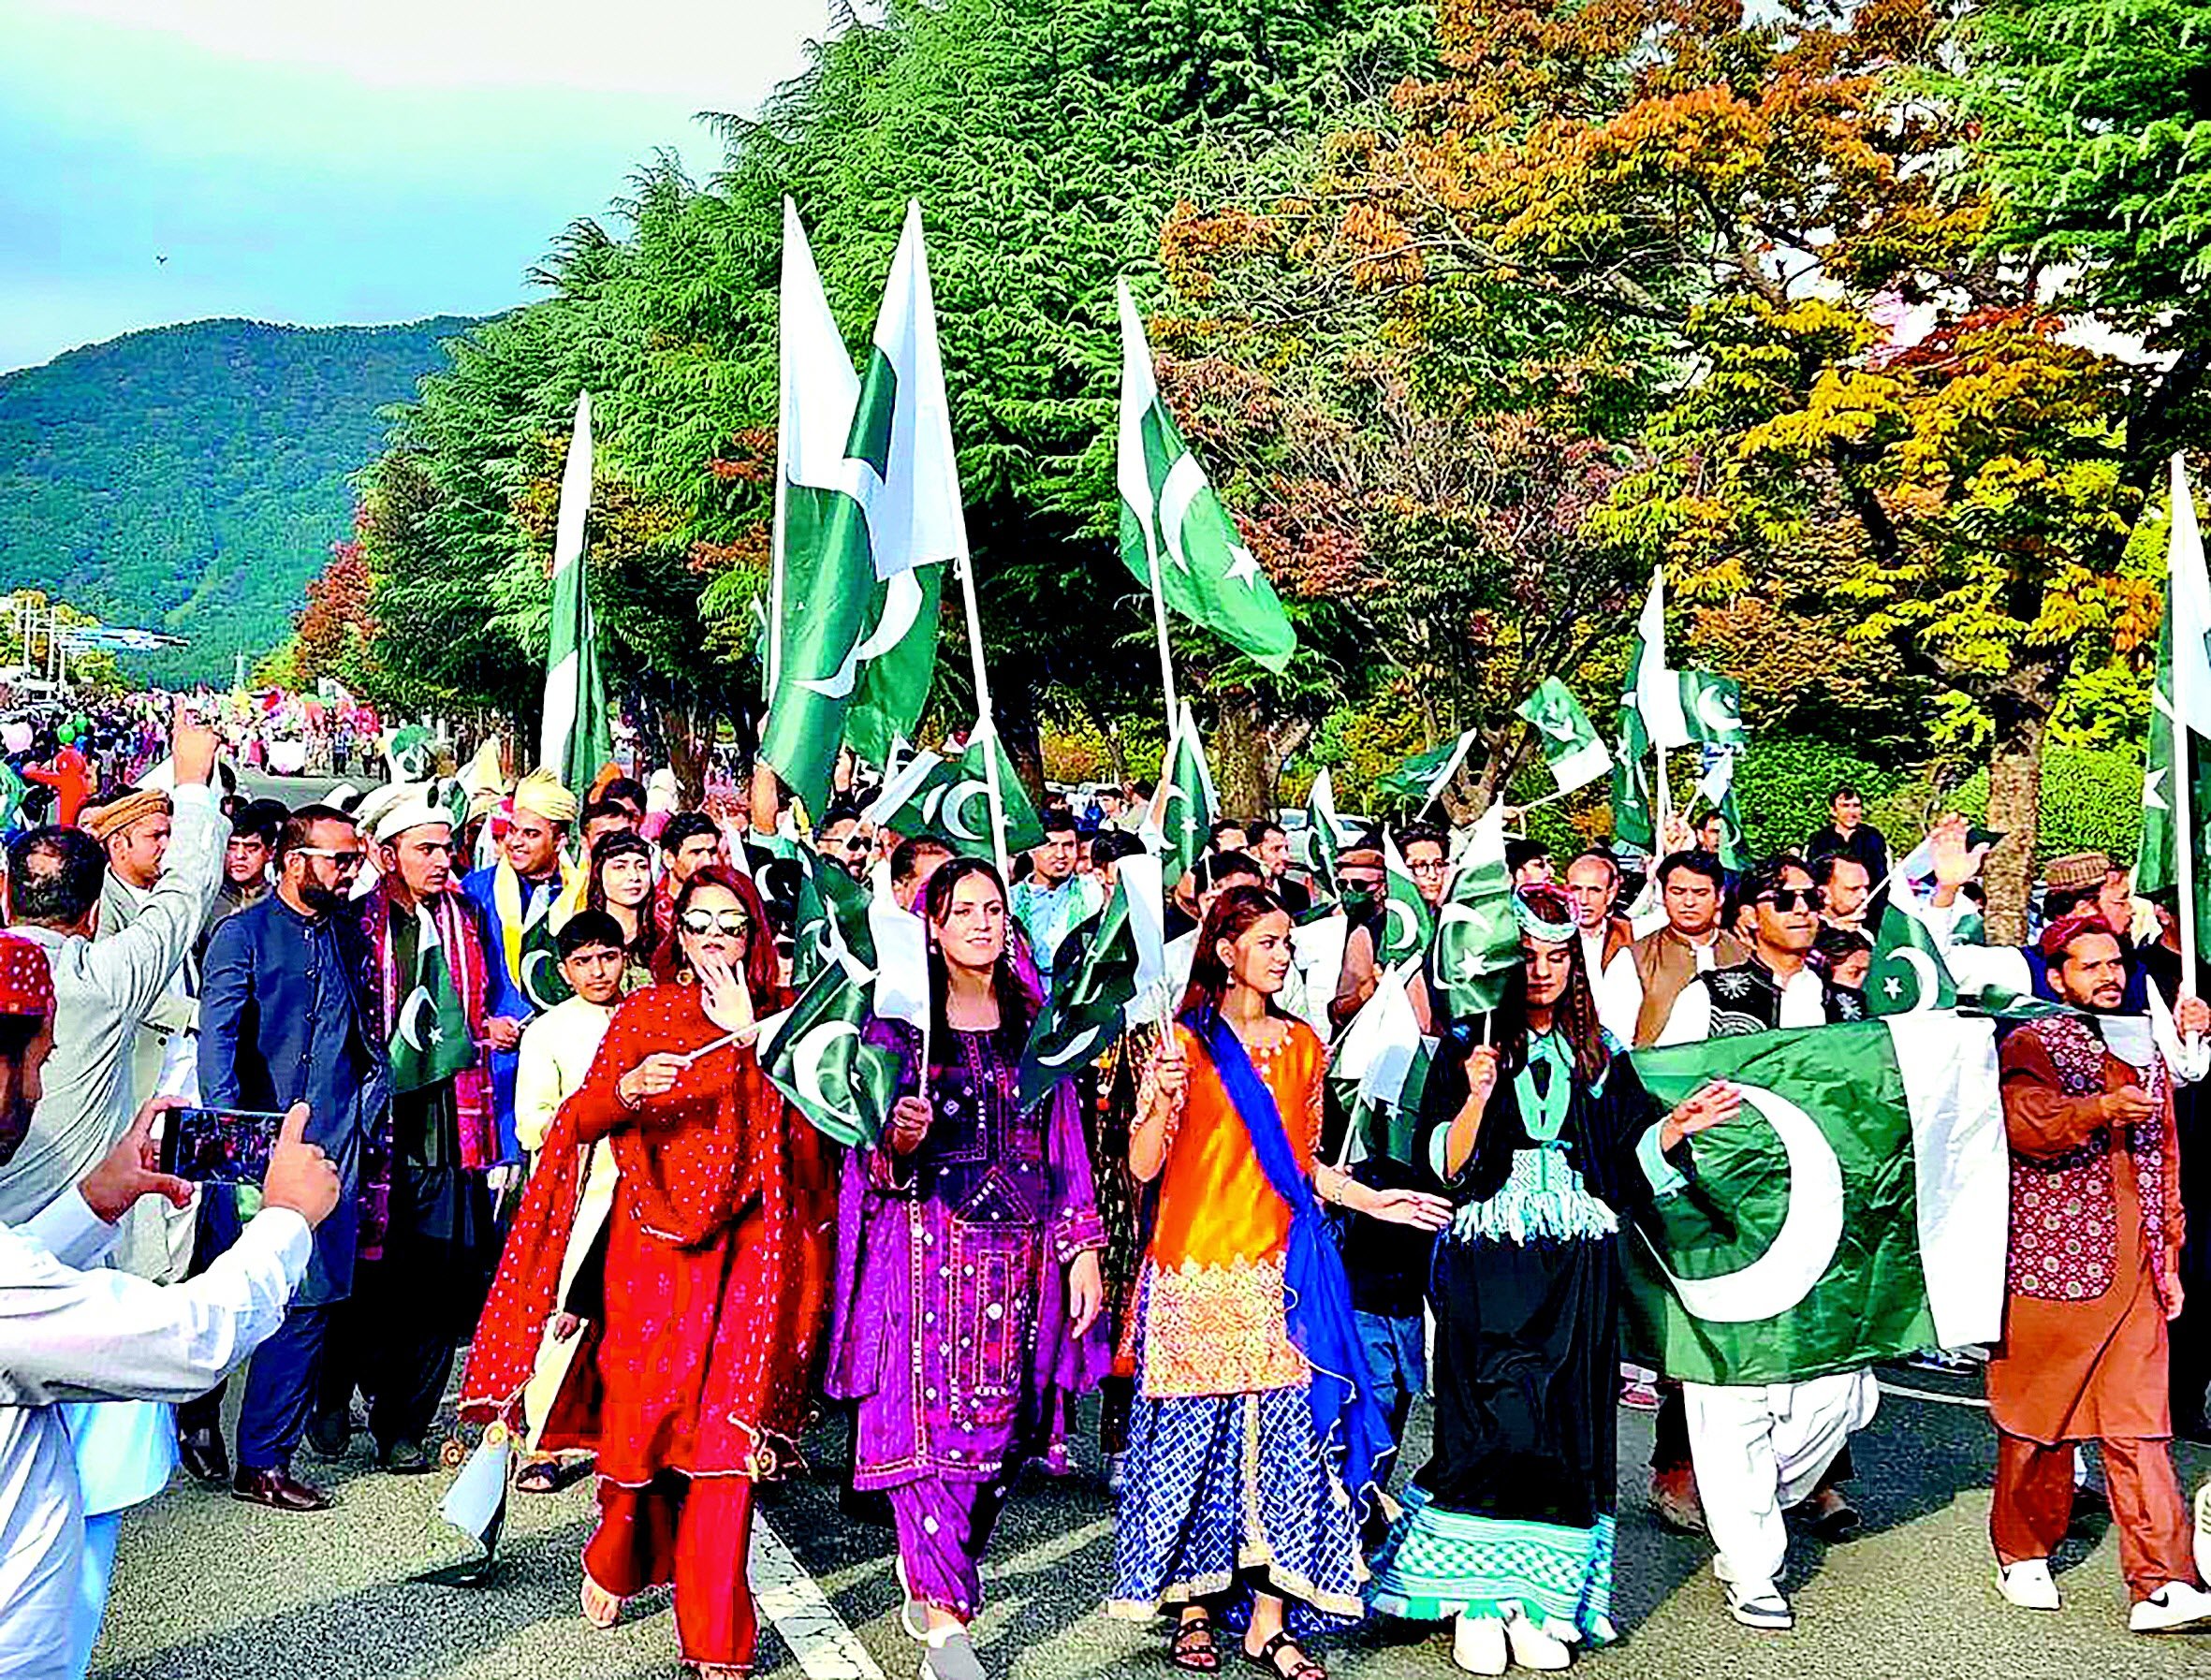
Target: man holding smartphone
{"points": [[288, 1015]]}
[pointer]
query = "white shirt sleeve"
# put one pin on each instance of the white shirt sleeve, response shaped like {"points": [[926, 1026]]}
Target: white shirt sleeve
{"points": [[1620, 997], [69, 1334], [68, 1229]]}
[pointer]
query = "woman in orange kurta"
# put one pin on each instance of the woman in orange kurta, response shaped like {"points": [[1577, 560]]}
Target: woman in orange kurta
{"points": [[1253, 1441], [691, 1383]]}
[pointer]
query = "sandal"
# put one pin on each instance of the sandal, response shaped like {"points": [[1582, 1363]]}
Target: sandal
{"points": [[1305, 1668], [601, 1608], [1192, 1649], [550, 1475]]}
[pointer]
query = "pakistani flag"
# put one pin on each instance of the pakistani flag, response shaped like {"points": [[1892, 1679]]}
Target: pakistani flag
{"points": [[429, 1036], [1422, 777], [1718, 787], [1407, 921], [1909, 972], [1712, 710], [575, 737], [1570, 744], [1089, 1005], [2178, 799], [1326, 834], [950, 799], [1477, 938], [1187, 805], [1654, 691], [1175, 535], [1856, 1210], [815, 1053], [830, 917], [867, 507], [1380, 1070]]}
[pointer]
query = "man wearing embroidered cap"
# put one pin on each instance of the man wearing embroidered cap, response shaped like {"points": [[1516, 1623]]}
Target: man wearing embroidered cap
{"points": [[413, 1296], [524, 898]]}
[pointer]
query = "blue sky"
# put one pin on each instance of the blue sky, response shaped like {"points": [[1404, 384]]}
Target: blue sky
{"points": [[321, 162]]}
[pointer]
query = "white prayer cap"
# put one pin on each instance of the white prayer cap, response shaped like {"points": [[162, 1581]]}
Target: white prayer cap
{"points": [[415, 808]]}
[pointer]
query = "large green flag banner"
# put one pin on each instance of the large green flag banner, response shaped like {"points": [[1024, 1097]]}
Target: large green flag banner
{"points": [[1477, 939], [1173, 525], [430, 1038], [1856, 1210], [577, 735], [1571, 747], [855, 627], [2180, 709], [817, 1055]]}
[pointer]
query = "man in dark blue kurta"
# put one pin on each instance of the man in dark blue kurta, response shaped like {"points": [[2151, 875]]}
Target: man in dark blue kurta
{"points": [[288, 1013]]}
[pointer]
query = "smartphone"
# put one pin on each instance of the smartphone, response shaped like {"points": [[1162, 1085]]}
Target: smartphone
{"points": [[218, 1146]]}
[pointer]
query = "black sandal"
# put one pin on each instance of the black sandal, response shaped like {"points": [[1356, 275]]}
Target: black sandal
{"points": [[1305, 1668], [549, 1476], [1188, 1656]]}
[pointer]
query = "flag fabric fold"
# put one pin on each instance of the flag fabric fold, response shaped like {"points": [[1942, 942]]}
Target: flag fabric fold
{"points": [[1571, 749], [2180, 713], [576, 736], [816, 1054], [1477, 938]]}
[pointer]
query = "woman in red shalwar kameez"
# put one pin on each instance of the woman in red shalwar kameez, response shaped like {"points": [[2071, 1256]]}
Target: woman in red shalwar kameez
{"points": [[691, 1379]]}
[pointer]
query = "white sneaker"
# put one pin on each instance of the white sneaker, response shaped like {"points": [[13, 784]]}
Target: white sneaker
{"points": [[2027, 1584], [1478, 1644], [2173, 1608], [1533, 1648], [1763, 1608]]}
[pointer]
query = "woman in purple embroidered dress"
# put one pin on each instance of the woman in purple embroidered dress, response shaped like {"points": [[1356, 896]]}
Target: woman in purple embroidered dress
{"points": [[968, 1281]]}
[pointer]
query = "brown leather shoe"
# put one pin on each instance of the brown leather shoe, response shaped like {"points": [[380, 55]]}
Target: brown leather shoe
{"points": [[277, 1490], [203, 1457]]}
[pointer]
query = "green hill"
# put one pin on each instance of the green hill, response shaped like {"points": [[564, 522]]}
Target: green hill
{"points": [[192, 478]]}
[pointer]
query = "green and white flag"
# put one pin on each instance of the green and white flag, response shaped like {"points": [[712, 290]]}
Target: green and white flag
{"points": [[1712, 710], [1326, 835], [1380, 1070], [1856, 1209], [1174, 525], [1421, 779], [1477, 938], [577, 735], [1718, 788], [859, 522], [950, 800], [2180, 711], [1186, 805], [1655, 691], [830, 917], [1570, 746], [1909, 974], [1089, 1005], [429, 1036], [1407, 921], [815, 1053]]}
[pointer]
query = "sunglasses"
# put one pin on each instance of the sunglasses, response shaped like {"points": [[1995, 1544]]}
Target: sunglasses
{"points": [[714, 921], [344, 860], [1789, 898]]}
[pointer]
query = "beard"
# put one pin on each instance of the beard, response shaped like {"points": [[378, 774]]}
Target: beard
{"points": [[318, 897]]}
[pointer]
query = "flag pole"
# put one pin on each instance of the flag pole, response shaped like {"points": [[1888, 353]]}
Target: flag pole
{"points": [[2177, 720], [985, 722], [1159, 624], [1666, 793]]}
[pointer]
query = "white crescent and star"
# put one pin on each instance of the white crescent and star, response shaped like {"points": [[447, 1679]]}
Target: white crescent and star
{"points": [[1923, 966], [1725, 720], [1410, 936], [1185, 482], [957, 799], [806, 1068], [1801, 1251], [410, 1014], [545, 999], [1079, 1046]]}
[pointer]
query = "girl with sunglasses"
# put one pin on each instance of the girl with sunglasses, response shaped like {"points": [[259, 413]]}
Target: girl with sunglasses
{"points": [[968, 1270], [697, 1330], [1257, 1442]]}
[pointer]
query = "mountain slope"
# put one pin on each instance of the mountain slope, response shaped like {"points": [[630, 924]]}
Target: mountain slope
{"points": [[192, 478]]}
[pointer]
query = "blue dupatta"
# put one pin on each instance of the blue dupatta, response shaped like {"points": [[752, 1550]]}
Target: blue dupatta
{"points": [[1316, 1293]]}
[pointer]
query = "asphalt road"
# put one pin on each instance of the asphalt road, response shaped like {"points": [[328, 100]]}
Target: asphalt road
{"points": [[206, 1587]]}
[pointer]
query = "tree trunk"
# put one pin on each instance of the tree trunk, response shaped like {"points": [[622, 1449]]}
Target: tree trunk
{"points": [[689, 749], [1116, 760], [1240, 760], [2021, 712]]}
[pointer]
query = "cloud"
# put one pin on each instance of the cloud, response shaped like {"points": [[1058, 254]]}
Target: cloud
{"points": [[321, 164]]}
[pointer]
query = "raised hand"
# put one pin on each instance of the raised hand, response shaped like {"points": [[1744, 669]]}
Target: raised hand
{"points": [[132, 1168], [722, 995], [301, 1176], [1709, 1105]]}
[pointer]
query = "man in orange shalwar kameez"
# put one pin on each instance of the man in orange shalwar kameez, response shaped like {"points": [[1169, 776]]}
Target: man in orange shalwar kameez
{"points": [[2092, 1279]]}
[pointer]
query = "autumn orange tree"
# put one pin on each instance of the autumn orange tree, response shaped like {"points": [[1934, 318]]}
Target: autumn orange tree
{"points": [[1742, 257]]}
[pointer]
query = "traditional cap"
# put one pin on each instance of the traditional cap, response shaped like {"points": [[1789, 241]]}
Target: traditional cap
{"points": [[540, 793], [2065, 929], [26, 983], [415, 808], [1546, 915], [1361, 857], [2076, 870], [115, 816]]}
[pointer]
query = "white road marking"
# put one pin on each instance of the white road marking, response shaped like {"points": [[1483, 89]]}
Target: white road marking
{"points": [[1934, 1400], [789, 1597]]}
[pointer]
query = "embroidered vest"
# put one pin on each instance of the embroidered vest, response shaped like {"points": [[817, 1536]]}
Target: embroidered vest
{"points": [[1666, 963], [2065, 1218]]}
